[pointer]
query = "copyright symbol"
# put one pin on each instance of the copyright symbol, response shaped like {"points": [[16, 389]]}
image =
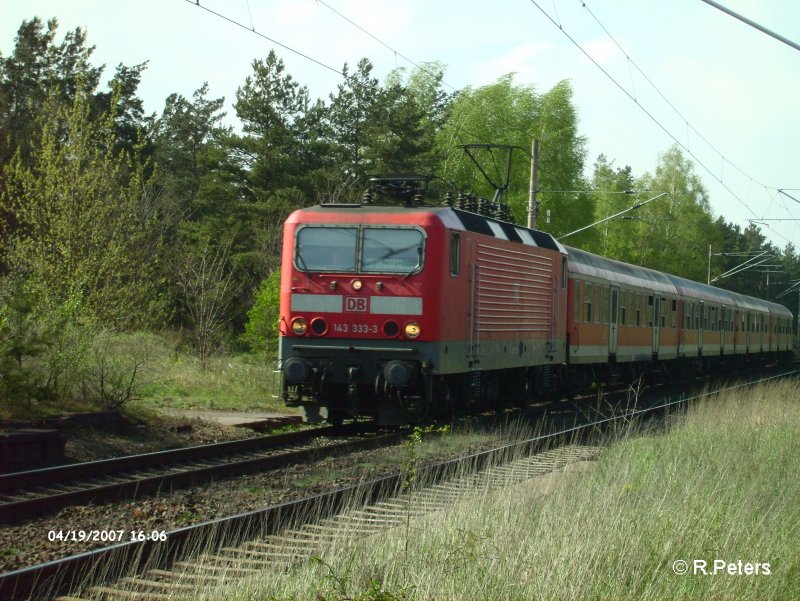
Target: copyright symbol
{"points": [[680, 567]]}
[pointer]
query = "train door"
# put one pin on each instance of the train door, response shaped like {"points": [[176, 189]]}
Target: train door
{"points": [[722, 323], [701, 328], [473, 350], [555, 308], [747, 326], [656, 322], [613, 324], [761, 329], [770, 333]]}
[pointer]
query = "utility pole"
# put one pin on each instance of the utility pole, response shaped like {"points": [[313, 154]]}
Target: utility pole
{"points": [[709, 265], [533, 201]]}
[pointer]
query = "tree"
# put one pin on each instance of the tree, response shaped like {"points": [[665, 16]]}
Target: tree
{"points": [[84, 217], [39, 69], [269, 104], [207, 285], [506, 113], [188, 142], [613, 192], [563, 155], [676, 230], [261, 329]]}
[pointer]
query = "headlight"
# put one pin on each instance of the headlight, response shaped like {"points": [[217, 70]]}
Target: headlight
{"points": [[299, 326], [391, 329], [412, 329], [319, 326], [357, 285]]}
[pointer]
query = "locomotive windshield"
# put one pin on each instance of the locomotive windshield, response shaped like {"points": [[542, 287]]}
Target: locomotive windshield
{"points": [[359, 249]]}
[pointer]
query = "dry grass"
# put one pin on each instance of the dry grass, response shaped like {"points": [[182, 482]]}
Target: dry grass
{"points": [[723, 485]]}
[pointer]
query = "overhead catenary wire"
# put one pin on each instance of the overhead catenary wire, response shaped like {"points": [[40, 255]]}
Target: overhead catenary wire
{"points": [[253, 30], [410, 61], [458, 127], [689, 126], [266, 37], [753, 24], [652, 117]]}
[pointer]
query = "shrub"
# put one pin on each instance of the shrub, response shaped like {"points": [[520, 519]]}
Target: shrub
{"points": [[261, 329]]}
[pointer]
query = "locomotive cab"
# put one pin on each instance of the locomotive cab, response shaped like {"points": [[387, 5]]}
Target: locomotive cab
{"points": [[355, 326]]}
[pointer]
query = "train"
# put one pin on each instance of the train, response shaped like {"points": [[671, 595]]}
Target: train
{"points": [[406, 312]]}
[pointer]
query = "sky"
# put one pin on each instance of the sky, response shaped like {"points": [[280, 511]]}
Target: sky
{"points": [[661, 71]]}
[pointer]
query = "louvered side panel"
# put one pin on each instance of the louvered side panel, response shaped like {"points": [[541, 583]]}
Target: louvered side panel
{"points": [[514, 291]]}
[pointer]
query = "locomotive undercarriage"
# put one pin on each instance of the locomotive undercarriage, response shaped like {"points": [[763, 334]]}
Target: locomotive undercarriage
{"points": [[400, 390], [404, 389]]}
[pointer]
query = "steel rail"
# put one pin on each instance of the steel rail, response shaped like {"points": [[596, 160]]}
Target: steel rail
{"points": [[70, 574], [18, 483]]}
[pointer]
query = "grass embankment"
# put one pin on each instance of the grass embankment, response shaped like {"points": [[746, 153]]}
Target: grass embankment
{"points": [[167, 375], [237, 382], [722, 485]]}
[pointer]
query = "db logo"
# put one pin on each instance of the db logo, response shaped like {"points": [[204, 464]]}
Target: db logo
{"points": [[355, 304]]}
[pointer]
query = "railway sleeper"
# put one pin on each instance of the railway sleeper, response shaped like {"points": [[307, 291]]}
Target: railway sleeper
{"points": [[240, 561], [351, 521], [121, 593], [398, 510], [197, 578], [377, 518], [157, 584], [201, 567], [248, 555], [435, 495], [280, 543]]}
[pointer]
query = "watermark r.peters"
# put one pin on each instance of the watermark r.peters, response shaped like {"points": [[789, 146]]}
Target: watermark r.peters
{"points": [[720, 567]]}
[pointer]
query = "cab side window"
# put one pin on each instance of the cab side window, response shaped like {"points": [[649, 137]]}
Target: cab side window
{"points": [[455, 254]]}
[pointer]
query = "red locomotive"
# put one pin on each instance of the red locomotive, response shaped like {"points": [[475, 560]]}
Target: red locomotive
{"points": [[409, 312]]}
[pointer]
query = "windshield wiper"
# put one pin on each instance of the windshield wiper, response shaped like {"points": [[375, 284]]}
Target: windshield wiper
{"points": [[418, 265], [302, 262]]}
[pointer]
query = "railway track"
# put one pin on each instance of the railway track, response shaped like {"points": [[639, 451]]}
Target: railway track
{"points": [[32, 493], [279, 552], [279, 536]]}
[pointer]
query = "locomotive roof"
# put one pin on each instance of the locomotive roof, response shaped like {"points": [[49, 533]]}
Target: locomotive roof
{"points": [[489, 226], [460, 219]]}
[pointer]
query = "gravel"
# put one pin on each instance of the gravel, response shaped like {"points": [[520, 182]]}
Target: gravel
{"points": [[156, 434], [29, 543]]}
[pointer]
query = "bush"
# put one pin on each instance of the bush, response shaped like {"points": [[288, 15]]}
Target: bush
{"points": [[23, 343], [112, 376], [261, 329], [54, 354]]}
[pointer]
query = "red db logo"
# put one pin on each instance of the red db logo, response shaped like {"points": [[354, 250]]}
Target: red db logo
{"points": [[355, 304]]}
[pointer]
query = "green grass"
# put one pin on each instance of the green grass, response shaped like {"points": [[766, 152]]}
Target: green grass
{"points": [[171, 378], [722, 484], [239, 382]]}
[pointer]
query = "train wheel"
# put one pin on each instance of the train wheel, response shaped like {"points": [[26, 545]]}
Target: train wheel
{"points": [[451, 399], [336, 418]]}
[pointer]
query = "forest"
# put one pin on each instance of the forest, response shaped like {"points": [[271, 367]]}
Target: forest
{"points": [[117, 224]]}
